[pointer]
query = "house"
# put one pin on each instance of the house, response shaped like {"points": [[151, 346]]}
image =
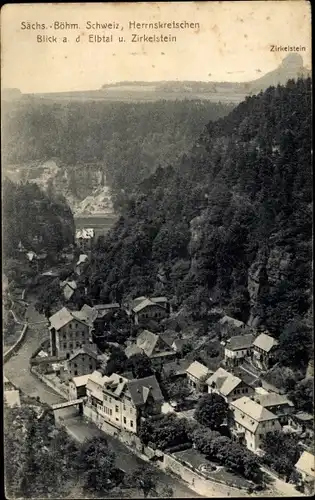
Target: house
{"points": [[82, 361], [227, 385], [306, 467], [175, 369], [152, 345], [238, 348], [228, 324], [68, 288], [12, 398], [197, 375], [84, 239], [302, 422], [122, 402], [77, 386], [144, 309], [80, 265], [250, 422], [263, 350], [276, 403], [68, 331]]}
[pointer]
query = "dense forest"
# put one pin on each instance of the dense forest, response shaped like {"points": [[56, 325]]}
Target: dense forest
{"points": [[41, 221], [229, 224], [128, 141]]}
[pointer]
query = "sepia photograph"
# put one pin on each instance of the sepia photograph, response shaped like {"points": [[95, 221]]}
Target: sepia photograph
{"points": [[157, 291]]}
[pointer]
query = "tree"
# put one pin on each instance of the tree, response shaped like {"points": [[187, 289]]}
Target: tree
{"points": [[96, 462], [117, 362], [140, 365], [166, 491], [144, 478], [282, 451], [295, 344], [177, 390], [211, 410], [303, 395]]}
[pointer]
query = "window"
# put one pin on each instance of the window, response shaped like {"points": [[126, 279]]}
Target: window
{"points": [[116, 408], [75, 373], [110, 400], [131, 423], [125, 420], [65, 345], [273, 422], [246, 389], [77, 344], [105, 397], [124, 407], [261, 436], [64, 336], [75, 365], [91, 367], [110, 412], [70, 345], [70, 326]]}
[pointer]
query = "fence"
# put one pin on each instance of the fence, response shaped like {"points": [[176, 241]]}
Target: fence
{"points": [[13, 349]]}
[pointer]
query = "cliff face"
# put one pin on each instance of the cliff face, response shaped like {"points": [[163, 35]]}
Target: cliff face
{"points": [[231, 222]]}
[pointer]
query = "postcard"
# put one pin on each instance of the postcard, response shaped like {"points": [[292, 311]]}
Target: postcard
{"points": [[157, 249]]}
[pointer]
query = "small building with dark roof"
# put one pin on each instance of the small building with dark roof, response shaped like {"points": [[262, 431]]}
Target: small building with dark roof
{"points": [[238, 348]]}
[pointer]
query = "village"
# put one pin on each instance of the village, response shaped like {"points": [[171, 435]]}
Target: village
{"points": [[159, 376]]}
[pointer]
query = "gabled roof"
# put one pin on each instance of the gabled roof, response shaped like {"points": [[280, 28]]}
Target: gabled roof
{"points": [[240, 342], [306, 463], [71, 284], [115, 384], [64, 316], [147, 341], [265, 342], [272, 399], [224, 381], [86, 234], [253, 410], [169, 336], [84, 350], [138, 305], [60, 318], [83, 317], [81, 381], [141, 389], [228, 320], [197, 370], [89, 312]]}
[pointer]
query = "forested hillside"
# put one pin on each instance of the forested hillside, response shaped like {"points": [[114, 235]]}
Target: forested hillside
{"points": [[127, 141], [230, 224], [41, 221]]}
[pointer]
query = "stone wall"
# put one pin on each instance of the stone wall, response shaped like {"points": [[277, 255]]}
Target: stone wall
{"points": [[13, 349], [50, 383], [199, 484]]}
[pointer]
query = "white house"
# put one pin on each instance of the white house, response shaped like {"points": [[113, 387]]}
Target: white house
{"points": [[250, 422], [238, 348], [228, 385], [197, 374], [306, 466]]}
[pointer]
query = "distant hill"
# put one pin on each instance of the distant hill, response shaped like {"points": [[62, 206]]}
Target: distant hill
{"points": [[10, 94], [290, 68]]}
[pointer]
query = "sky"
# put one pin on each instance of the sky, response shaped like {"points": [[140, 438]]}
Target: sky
{"points": [[233, 43]]}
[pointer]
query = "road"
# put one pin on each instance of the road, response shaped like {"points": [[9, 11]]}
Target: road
{"points": [[17, 371]]}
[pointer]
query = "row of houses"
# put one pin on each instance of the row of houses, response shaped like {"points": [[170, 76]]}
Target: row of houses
{"points": [[260, 349]]}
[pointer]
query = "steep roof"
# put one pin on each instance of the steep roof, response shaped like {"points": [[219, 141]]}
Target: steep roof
{"points": [[147, 341], [82, 258], [84, 350], [306, 463], [197, 370], [253, 410], [145, 302], [115, 384], [89, 312], [228, 320], [224, 381], [86, 234], [272, 399], [169, 336], [72, 284], [141, 389], [60, 318], [83, 317], [64, 316], [81, 381], [265, 342], [240, 342]]}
